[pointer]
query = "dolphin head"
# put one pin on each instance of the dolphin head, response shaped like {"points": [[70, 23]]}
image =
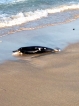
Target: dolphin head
{"points": [[17, 52]]}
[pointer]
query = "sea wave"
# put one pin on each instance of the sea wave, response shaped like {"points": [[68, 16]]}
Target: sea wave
{"points": [[24, 17]]}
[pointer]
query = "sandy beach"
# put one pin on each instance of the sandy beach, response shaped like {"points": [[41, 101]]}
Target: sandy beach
{"points": [[48, 80]]}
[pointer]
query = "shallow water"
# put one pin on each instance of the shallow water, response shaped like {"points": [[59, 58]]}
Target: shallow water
{"points": [[53, 36]]}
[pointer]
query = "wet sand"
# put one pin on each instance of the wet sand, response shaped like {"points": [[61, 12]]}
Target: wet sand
{"points": [[50, 80]]}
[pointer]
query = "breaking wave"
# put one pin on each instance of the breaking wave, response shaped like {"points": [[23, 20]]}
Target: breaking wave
{"points": [[24, 17]]}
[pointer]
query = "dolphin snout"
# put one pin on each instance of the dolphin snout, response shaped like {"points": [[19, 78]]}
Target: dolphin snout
{"points": [[15, 51]]}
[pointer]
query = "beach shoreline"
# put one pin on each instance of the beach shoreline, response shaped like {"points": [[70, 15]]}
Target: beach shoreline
{"points": [[59, 36]]}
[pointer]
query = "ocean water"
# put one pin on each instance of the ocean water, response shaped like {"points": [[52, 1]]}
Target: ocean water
{"points": [[18, 15], [31, 14]]}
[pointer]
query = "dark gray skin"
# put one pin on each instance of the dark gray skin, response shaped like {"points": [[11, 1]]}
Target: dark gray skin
{"points": [[36, 50]]}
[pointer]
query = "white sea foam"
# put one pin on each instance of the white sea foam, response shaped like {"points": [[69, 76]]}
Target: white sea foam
{"points": [[31, 16], [22, 18], [63, 8]]}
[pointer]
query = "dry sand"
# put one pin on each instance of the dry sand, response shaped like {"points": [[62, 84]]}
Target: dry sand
{"points": [[50, 80]]}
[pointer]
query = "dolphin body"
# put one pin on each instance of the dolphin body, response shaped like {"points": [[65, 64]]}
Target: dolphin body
{"points": [[35, 50]]}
